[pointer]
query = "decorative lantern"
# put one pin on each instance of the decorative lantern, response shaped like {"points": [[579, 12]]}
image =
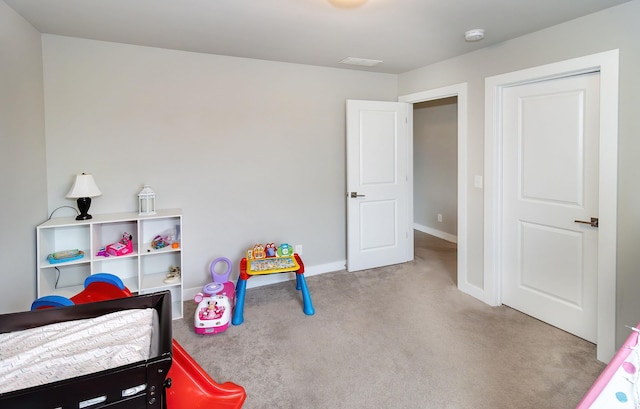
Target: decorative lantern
{"points": [[147, 201]]}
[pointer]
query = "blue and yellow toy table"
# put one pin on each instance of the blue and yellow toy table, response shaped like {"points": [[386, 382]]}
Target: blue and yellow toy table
{"points": [[270, 265]]}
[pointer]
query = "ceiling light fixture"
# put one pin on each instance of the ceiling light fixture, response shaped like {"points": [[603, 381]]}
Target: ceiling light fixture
{"points": [[347, 4], [360, 61], [476, 34]]}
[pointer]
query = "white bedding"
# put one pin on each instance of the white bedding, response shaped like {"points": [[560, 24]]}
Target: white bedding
{"points": [[68, 349]]}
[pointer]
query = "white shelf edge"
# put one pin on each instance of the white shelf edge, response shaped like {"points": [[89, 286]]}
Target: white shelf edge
{"points": [[150, 251], [45, 263]]}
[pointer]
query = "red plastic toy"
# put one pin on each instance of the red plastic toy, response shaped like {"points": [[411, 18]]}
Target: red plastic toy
{"points": [[97, 287], [191, 387]]}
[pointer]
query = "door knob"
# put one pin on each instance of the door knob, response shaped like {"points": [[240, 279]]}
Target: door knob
{"points": [[355, 194], [592, 223]]}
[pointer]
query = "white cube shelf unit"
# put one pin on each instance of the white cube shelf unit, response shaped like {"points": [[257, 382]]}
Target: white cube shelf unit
{"points": [[143, 271]]}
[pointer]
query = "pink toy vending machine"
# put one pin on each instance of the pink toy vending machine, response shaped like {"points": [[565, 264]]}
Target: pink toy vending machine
{"points": [[215, 302]]}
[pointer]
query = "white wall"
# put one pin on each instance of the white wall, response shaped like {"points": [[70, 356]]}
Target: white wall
{"points": [[614, 28], [435, 163], [23, 202], [252, 151], [218, 136]]}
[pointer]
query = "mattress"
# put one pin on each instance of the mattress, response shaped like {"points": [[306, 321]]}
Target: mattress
{"points": [[138, 385], [64, 350]]}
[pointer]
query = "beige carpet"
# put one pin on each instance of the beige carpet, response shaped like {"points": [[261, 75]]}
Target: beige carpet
{"points": [[395, 337]]}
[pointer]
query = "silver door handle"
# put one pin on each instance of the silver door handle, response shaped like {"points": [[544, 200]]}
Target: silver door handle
{"points": [[592, 223], [355, 194]]}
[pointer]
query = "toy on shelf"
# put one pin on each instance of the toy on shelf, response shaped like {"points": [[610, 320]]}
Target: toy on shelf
{"points": [[168, 238], [260, 262], [64, 256], [124, 246], [215, 303], [173, 276], [159, 242]]}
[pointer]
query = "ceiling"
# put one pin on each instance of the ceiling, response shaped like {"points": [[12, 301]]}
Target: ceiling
{"points": [[404, 34]]}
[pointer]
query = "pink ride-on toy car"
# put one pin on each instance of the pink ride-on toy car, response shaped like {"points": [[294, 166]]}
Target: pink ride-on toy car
{"points": [[213, 314], [215, 302]]}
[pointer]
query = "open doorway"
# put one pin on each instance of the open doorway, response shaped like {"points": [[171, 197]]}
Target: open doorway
{"points": [[435, 180], [459, 93]]}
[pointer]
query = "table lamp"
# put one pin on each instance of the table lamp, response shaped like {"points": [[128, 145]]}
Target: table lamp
{"points": [[83, 189]]}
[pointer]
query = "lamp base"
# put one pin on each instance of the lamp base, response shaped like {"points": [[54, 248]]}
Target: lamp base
{"points": [[83, 205]]}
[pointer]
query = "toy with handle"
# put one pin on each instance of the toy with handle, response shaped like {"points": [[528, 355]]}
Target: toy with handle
{"points": [[218, 279], [216, 302]]}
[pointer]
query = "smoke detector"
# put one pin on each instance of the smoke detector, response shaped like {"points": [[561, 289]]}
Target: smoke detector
{"points": [[476, 34]]}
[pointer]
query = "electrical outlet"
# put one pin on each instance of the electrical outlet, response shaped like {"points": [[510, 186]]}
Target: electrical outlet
{"points": [[439, 218], [299, 249]]}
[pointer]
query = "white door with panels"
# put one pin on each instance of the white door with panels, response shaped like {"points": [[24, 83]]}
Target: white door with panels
{"points": [[378, 192], [550, 134]]}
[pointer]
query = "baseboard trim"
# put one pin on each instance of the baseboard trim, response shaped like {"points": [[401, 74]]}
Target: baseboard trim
{"points": [[259, 281], [474, 291], [438, 233]]}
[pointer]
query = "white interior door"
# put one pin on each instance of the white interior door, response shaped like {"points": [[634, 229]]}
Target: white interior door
{"points": [[378, 192], [550, 184]]}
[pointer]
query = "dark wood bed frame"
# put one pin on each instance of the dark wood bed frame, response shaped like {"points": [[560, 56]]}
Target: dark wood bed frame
{"points": [[109, 384]]}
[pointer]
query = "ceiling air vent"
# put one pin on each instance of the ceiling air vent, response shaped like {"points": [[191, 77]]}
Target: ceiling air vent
{"points": [[360, 61]]}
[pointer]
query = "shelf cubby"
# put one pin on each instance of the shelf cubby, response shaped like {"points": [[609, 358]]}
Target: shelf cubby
{"points": [[142, 271]]}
